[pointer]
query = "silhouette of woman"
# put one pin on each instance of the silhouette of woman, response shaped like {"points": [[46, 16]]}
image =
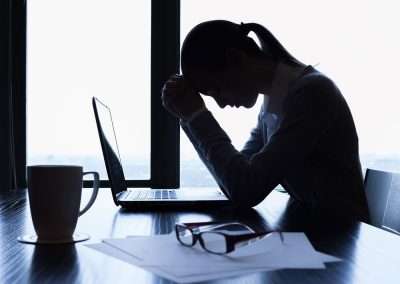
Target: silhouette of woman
{"points": [[305, 138]]}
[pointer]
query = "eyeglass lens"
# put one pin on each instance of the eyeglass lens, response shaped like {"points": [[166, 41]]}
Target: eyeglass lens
{"points": [[214, 242], [184, 235]]}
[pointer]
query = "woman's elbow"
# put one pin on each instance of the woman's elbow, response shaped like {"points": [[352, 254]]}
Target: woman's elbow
{"points": [[242, 199]]}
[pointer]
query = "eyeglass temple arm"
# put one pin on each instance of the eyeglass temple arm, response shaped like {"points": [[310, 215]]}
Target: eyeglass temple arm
{"points": [[197, 224], [242, 240], [239, 238]]}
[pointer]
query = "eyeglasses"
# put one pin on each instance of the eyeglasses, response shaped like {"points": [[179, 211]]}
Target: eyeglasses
{"points": [[213, 238]]}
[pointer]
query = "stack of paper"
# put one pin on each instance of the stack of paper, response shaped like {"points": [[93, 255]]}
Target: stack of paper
{"points": [[164, 256]]}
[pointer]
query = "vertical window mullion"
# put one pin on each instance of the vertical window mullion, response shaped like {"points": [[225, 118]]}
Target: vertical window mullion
{"points": [[165, 43], [18, 79], [5, 97]]}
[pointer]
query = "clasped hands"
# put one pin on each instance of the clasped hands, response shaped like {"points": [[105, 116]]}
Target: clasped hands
{"points": [[180, 98]]}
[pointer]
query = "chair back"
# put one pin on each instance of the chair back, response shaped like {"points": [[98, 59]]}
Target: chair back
{"points": [[382, 190]]}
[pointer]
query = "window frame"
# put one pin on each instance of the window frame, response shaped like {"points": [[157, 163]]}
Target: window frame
{"points": [[5, 95], [165, 57]]}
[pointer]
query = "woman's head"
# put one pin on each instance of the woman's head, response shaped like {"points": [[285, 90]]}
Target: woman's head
{"points": [[216, 54]]}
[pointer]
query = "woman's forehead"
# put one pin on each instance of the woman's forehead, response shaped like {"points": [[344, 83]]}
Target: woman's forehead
{"points": [[204, 81]]}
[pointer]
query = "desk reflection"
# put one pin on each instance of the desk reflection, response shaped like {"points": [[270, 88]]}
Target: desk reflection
{"points": [[54, 264]]}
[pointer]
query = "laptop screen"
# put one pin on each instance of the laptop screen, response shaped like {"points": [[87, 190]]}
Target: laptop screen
{"points": [[107, 125], [109, 146]]}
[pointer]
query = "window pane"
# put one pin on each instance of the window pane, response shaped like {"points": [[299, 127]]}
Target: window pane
{"points": [[80, 49], [353, 42]]}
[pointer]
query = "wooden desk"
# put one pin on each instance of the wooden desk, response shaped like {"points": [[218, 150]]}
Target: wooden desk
{"points": [[370, 255]]}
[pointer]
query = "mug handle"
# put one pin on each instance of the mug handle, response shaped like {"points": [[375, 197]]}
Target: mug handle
{"points": [[94, 193]]}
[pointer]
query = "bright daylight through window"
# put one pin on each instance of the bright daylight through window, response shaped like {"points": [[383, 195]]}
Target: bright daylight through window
{"points": [[77, 50]]}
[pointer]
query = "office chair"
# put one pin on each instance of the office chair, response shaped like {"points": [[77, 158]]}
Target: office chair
{"points": [[382, 190]]}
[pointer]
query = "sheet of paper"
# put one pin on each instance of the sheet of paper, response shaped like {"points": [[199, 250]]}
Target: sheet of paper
{"points": [[260, 247], [111, 251], [295, 252], [155, 253]]}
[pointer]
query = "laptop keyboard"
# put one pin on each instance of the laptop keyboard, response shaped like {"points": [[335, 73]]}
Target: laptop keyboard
{"points": [[154, 194]]}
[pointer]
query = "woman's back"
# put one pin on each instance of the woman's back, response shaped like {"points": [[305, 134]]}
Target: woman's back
{"points": [[330, 176]]}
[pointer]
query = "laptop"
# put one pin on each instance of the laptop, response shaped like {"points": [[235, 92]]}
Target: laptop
{"points": [[145, 198]]}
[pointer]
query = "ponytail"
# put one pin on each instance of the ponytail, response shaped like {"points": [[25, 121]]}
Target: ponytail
{"points": [[270, 46]]}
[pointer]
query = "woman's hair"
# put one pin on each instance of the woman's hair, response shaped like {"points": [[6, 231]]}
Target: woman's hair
{"points": [[204, 48]]}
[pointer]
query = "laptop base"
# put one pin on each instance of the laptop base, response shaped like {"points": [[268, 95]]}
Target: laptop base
{"points": [[173, 199]]}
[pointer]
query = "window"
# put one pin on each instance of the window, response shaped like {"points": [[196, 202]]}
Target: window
{"points": [[79, 49], [354, 43]]}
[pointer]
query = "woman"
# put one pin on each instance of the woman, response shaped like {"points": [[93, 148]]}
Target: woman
{"points": [[305, 138]]}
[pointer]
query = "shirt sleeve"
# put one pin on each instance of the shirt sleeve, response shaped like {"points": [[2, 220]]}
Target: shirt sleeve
{"points": [[256, 141], [202, 154], [248, 181]]}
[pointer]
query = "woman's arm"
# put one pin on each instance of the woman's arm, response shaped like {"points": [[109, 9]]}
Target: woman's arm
{"points": [[248, 181], [251, 147], [256, 141], [202, 155]]}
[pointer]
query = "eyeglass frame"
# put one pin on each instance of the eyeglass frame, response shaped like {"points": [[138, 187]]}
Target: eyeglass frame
{"points": [[230, 240]]}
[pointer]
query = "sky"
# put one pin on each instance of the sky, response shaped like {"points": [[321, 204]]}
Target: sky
{"points": [[82, 48]]}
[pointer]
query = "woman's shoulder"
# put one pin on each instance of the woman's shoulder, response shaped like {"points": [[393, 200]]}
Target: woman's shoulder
{"points": [[315, 90], [314, 80], [316, 86]]}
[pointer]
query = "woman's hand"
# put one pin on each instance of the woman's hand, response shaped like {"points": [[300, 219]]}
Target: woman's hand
{"points": [[179, 98]]}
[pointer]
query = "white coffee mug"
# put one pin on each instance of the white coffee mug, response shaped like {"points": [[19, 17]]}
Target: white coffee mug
{"points": [[54, 197]]}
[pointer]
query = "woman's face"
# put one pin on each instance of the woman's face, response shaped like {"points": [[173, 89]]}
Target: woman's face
{"points": [[228, 87]]}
